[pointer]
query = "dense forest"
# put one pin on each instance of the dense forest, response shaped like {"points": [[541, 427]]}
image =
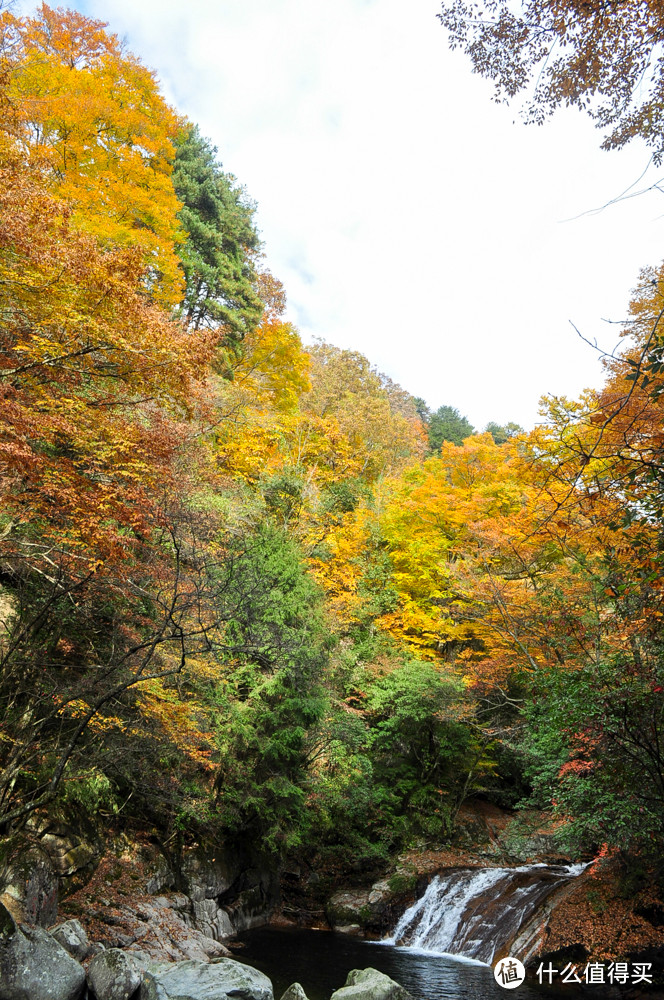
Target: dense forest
{"points": [[254, 591]]}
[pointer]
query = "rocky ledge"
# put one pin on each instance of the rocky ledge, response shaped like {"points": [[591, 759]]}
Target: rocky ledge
{"points": [[133, 899], [44, 965]]}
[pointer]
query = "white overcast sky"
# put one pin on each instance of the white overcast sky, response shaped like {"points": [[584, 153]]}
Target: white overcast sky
{"points": [[408, 216]]}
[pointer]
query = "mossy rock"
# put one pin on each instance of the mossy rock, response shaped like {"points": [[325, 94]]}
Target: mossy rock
{"points": [[28, 883]]}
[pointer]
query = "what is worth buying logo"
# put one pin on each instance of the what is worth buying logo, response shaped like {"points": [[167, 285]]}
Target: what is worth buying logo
{"points": [[509, 973]]}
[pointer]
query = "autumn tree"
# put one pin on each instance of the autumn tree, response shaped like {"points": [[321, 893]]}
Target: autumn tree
{"points": [[92, 116], [377, 418], [76, 647], [77, 367], [603, 58], [258, 405], [604, 769], [565, 595], [97, 386], [434, 520]]}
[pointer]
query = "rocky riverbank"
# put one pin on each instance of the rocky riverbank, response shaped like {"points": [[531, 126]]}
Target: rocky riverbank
{"points": [[95, 913], [127, 894], [63, 965], [137, 927]]}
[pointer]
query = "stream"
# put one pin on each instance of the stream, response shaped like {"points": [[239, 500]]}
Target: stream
{"points": [[321, 960], [441, 949], [476, 912]]}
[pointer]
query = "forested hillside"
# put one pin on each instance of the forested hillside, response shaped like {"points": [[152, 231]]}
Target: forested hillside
{"points": [[253, 590]]}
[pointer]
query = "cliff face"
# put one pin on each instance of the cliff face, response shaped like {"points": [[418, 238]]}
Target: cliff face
{"points": [[125, 894]]}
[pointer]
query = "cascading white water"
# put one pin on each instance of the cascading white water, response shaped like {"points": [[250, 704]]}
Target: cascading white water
{"points": [[474, 912]]}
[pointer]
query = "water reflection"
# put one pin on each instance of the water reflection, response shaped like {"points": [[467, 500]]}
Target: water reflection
{"points": [[321, 960]]}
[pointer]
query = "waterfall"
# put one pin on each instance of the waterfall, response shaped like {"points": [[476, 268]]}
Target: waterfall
{"points": [[478, 912]]}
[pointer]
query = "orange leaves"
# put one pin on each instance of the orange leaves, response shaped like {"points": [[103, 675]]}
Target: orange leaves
{"points": [[75, 38], [182, 721], [88, 369], [98, 724]]}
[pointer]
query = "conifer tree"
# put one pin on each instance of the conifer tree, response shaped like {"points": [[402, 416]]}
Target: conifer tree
{"points": [[219, 253]]}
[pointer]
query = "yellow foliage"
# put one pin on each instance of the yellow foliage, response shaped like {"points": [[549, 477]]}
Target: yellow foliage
{"points": [[184, 722], [79, 708], [340, 572], [273, 368], [435, 518], [93, 115]]}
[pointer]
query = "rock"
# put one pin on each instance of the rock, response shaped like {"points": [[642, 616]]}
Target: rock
{"points": [[161, 875], [373, 909], [294, 992], [73, 854], [208, 877], [159, 926], [212, 920], [370, 984], [70, 852], [253, 906], [223, 978], [33, 966], [113, 976], [71, 935], [145, 962], [230, 891], [28, 883]]}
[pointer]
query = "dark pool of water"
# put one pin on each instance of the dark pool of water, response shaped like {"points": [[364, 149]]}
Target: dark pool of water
{"points": [[321, 960]]}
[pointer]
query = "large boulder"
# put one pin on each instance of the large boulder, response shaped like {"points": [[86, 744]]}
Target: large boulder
{"points": [[33, 966], [73, 855], [370, 984], [208, 874], [211, 920], [220, 979], [113, 976], [253, 906], [230, 891], [71, 935]]}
